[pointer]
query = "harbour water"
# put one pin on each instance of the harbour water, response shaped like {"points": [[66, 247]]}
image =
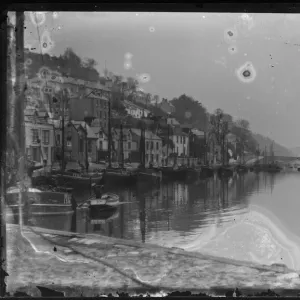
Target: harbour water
{"points": [[253, 217]]}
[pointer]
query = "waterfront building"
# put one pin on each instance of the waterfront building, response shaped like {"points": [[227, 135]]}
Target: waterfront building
{"points": [[39, 136], [135, 111], [181, 142], [153, 146]]}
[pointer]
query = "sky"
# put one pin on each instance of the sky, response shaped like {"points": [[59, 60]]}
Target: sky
{"points": [[193, 54]]}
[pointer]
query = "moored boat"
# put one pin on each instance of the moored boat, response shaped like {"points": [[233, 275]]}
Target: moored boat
{"points": [[174, 173], [72, 177], [50, 201], [120, 175], [225, 171], [206, 171], [241, 169], [149, 173]]}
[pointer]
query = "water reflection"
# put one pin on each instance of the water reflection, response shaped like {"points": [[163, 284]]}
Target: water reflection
{"points": [[214, 216]]}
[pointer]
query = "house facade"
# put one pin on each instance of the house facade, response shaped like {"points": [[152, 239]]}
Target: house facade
{"points": [[86, 98], [135, 111], [39, 137], [181, 142], [130, 144], [166, 106], [153, 147]]}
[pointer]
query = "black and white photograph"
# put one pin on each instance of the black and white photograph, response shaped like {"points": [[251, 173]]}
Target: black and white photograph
{"points": [[150, 153]]}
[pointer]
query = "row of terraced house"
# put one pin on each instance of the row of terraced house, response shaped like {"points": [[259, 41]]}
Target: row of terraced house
{"points": [[86, 126]]}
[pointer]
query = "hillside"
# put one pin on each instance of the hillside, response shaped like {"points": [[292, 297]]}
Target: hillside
{"points": [[266, 142]]}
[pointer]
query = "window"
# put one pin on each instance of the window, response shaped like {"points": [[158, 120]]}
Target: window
{"points": [[129, 145], [147, 145], [157, 146], [184, 139], [58, 139], [177, 151], [100, 114], [156, 157], [151, 145], [152, 157], [104, 115], [147, 157], [35, 135], [46, 137], [101, 145]]}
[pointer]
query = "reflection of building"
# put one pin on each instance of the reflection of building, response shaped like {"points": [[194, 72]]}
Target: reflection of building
{"points": [[39, 137], [181, 194]]}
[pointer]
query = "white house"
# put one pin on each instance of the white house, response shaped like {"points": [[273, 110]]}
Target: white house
{"points": [[181, 142], [39, 136], [135, 111]]}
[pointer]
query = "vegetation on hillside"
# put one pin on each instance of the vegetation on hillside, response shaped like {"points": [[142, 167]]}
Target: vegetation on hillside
{"points": [[188, 110]]}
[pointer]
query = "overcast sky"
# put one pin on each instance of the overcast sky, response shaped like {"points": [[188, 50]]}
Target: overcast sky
{"points": [[189, 53]]}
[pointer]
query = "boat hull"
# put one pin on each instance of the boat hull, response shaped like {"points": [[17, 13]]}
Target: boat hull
{"points": [[225, 172], [42, 203], [206, 172], [119, 176], [149, 174], [174, 174]]}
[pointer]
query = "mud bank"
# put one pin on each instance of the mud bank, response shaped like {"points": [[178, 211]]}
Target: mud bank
{"points": [[93, 265]]}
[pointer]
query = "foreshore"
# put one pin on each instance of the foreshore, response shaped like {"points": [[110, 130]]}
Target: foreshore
{"points": [[89, 265]]}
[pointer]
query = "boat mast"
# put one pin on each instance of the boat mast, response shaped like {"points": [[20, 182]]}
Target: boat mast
{"points": [[63, 133], [109, 133], [121, 146], [167, 160], [20, 104]]}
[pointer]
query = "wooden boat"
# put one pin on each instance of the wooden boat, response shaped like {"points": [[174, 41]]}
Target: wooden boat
{"points": [[120, 175], [225, 171], [174, 173], [206, 171], [149, 173], [71, 177], [52, 201], [272, 168], [103, 216], [241, 169]]}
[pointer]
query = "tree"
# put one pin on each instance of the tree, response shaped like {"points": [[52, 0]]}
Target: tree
{"points": [[220, 128], [90, 63], [188, 110]]}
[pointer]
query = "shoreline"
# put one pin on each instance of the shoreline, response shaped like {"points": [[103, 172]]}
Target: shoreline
{"points": [[99, 263]]}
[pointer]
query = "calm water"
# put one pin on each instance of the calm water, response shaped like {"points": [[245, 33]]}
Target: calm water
{"points": [[250, 217]]}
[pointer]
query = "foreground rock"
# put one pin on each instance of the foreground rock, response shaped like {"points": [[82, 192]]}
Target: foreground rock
{"points": [[91, 265]]}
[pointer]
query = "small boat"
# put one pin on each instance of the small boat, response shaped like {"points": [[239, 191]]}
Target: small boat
{"points": [[103, 216], [42, 201], [106, 199]]}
